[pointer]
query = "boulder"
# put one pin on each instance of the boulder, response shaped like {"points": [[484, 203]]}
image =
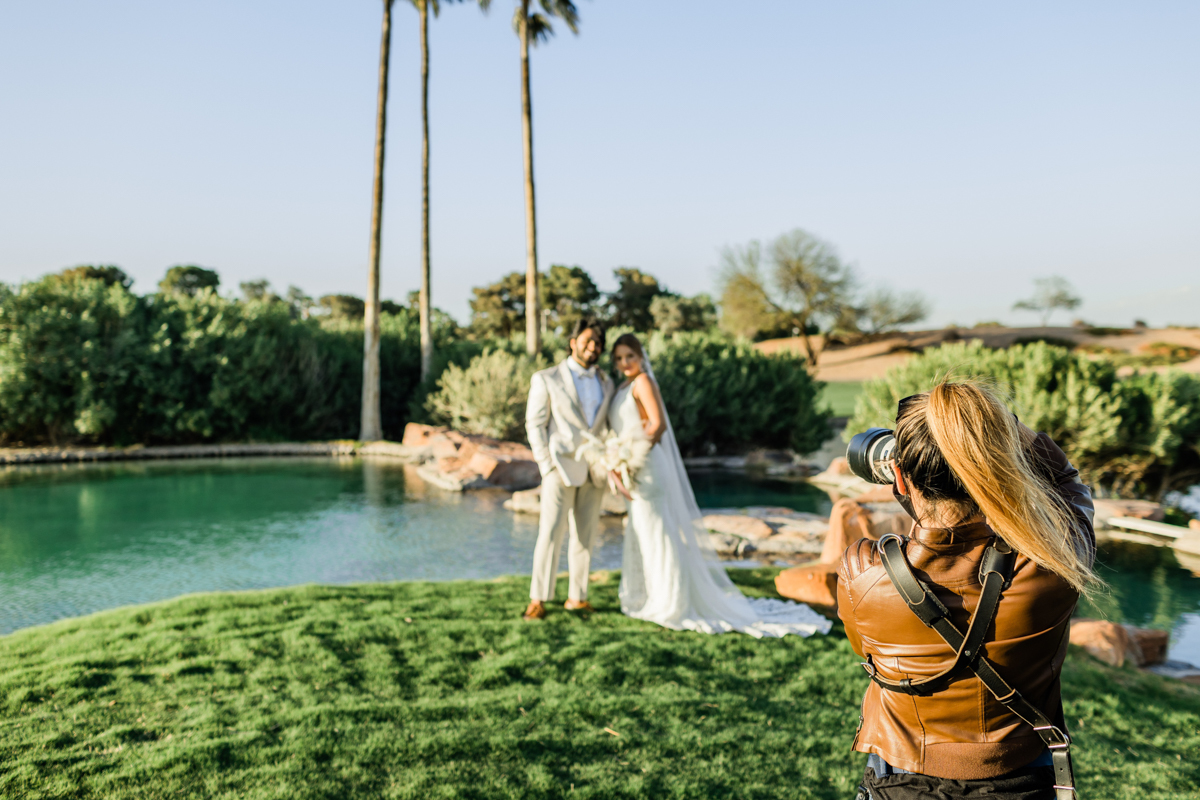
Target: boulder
{"points": [[1107, 641], [1178, 670], [1151, 644], [418, 435], [1114, 644], [815, 584], [1194, 524], [745, 526], [1138, 509], [728, 545], [530, 502], [508, 471], [782, 544], [839, 466]]}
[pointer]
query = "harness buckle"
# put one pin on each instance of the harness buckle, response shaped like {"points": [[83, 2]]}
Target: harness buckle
{"points": [[1065, 737]]}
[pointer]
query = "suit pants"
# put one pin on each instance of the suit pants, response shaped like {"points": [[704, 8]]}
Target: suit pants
{"points": [[573, 508]]}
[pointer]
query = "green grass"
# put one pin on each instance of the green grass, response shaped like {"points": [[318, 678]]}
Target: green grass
{"points": [[423, 690], [840, 397]]}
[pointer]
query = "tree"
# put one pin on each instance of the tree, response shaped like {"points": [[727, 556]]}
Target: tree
{"points": [[109, 274], [424, 306], [673, 314], [533, 27], [886, 310], [1049, 294], [256, 290], [342, 306], [189, 280], [567, 294], [498, 310], [371, 428], [806, 286], [300, 302], [630, 303]]}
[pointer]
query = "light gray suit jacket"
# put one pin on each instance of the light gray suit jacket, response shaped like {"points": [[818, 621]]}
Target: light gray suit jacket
{"points": [[554, 422]]}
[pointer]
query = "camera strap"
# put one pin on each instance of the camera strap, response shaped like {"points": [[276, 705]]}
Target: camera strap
{"points": [[995, 575]]}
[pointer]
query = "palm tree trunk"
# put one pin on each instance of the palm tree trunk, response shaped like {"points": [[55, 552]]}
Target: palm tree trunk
{"points": [[426, 307], [533, 338], [372, 426]]}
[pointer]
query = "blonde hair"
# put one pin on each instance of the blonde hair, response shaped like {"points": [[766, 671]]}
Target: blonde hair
{"points": [[961, 446]]}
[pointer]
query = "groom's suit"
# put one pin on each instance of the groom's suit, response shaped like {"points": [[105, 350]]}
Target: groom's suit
{"points": [[555, 420]]}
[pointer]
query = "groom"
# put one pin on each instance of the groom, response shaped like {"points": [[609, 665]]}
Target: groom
{"points": [[564, 402]]}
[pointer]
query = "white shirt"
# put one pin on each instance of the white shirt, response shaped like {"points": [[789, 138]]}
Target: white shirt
{"points": [[587, 386]]}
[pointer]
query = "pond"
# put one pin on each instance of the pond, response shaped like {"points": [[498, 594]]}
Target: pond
{"points": [[80, 538]]}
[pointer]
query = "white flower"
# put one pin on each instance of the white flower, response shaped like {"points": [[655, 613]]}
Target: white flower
{"points": [[623, 455]]}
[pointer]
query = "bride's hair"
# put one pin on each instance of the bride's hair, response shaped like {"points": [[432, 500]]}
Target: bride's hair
{"points": [[630, 341]]}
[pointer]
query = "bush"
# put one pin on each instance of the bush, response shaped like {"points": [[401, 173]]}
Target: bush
{"points": [[87, 361], [725, 396], [488, 396], [1138, 435]]}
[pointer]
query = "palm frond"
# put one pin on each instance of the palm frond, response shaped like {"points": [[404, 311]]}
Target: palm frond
{"points": [[564, 10]]}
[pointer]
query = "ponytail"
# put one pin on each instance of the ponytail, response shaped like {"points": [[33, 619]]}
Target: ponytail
{"points": [[985, 467]]}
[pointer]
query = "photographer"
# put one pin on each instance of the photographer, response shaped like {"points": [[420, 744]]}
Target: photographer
{"points": [[964, 623]]}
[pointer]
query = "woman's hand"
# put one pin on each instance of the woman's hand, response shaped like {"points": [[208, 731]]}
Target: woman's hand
{"points": [[618, 484]]}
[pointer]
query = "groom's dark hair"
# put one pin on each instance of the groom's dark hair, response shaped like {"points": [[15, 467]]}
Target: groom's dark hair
{"points": [[583, 323]]}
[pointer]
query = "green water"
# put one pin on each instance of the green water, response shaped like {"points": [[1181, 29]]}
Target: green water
{"points": [[81, 538]]}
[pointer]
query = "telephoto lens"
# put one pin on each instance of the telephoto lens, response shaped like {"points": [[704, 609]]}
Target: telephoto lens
{"points": [[869, 453]]}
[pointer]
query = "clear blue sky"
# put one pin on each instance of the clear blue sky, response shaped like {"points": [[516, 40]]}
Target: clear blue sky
{"points": [[959, 148]]}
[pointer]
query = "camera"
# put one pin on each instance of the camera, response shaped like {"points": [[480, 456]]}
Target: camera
{"points": [[869, 453]]}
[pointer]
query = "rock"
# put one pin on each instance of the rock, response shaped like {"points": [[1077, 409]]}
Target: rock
{"points": [[746, 527], [839, 466], [848, 522], [1138, 509], [505, 470], [1178, 670], [1194, 524], [451, 481], [1107, 641], [783, 544], [1189, 542], [728, 545], [530, 502], [808, 528], [394, 450], [526, 502], [815, 584], [1151, 644], [418, 436]]}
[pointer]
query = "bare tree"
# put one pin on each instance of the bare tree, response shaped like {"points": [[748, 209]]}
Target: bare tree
{"points": [[804, 286], [886, 310], [372, 424], [1050, 294]]}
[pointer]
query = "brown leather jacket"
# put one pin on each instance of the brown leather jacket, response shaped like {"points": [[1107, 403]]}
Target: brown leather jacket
{"points": [[961, 733]]}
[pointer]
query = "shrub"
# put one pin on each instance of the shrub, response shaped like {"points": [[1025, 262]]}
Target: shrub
{"points": [[1136, 435], [723, 395], [86, 361], [488, 396]]}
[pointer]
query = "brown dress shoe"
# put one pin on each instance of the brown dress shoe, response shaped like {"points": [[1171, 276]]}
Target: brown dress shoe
{"points": [[535, 611], [578, 605]]}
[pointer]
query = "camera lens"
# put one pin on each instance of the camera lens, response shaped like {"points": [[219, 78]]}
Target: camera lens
{"points": [[868, 454]]}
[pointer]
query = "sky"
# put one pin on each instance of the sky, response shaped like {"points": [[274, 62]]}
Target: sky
{"points": [[958, 149]]}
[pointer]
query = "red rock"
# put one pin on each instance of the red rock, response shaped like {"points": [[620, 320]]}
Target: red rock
{"points": [[418, 435], [848, 522], [839, 466], [815, 584], [1107, 641], [1148, 645]]}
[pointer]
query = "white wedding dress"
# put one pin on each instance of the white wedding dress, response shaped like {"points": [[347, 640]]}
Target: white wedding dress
{"points": [[670, 574]]}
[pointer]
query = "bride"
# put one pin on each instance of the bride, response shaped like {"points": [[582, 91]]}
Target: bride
{"points": [[669, 573]]}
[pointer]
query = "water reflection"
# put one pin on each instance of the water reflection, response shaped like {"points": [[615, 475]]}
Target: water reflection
{"points": [[1150, 588]]}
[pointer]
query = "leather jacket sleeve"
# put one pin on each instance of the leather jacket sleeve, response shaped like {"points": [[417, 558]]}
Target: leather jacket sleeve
{"points": [[1064, 478]]}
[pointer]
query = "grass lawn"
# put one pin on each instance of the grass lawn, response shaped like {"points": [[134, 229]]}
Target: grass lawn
{"points": [[438, 690], [840, 397]]}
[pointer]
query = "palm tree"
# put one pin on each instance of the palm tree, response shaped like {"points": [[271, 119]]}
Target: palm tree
{"points": [[423, 7], [372, 426], [533, 27]]}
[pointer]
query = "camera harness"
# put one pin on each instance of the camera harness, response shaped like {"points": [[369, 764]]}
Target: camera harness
{"points": [[995, 574]]}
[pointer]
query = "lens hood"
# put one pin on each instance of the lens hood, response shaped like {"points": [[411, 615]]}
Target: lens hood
{"points": [[868, 453]]}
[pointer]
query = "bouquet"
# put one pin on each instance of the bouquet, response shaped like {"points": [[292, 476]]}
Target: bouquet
{"points": [[617, 459]]}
